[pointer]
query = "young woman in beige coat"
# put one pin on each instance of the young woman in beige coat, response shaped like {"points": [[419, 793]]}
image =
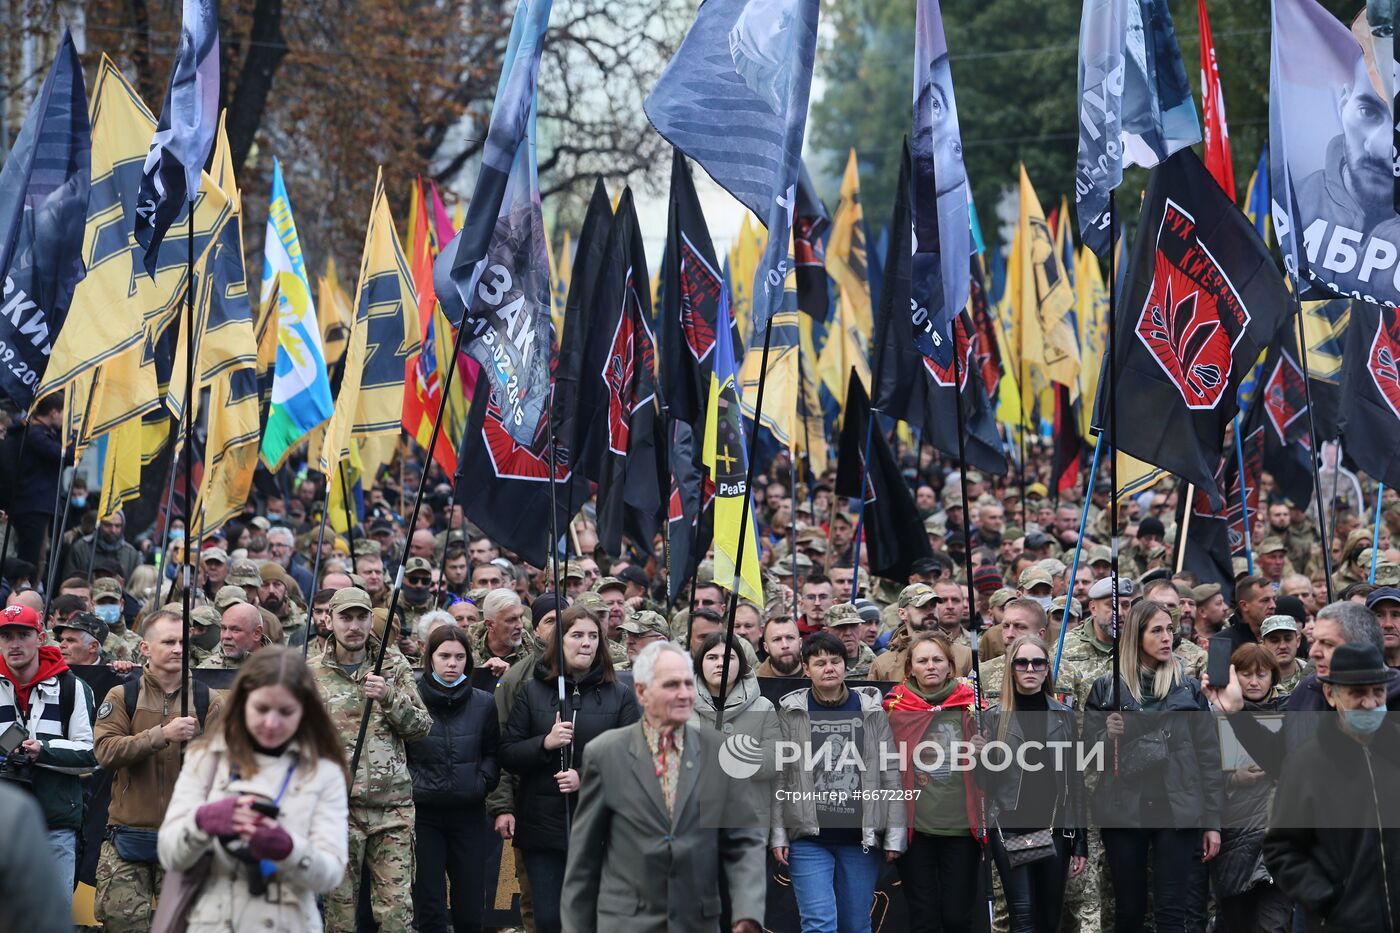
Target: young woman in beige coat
{"points": [[276, 748]]}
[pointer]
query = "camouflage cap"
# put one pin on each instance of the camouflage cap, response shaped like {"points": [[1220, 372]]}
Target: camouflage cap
{"points": [[610, 583], [417, 564], [1272, 544], [206, 616], [646, 623], [1387, 574], [84, 622], [351, 597], [1053, 566], [228, 595], [106, 588], [570, 571], [785, 568], [1075, 609], [1034, 576], [841, 614], [365, 547], [1001, 597], [216, 555], [245, 573], [1205, 592], [917, 595], [936, 524], [592, 601], [1100, 554], [1158, 551]]}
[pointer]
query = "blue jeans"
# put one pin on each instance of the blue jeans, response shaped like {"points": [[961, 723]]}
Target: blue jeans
{"points": [[63, 843], [545, 869], [834, 885]]}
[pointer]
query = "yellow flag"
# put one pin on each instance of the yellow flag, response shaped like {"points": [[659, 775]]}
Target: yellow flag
{"points": [[1041, 296], [385, 322], [121, 470], [332, 314], [1091, 303], [781, 388], [744, 255], [231, 452], [810, 429], [848, 340], [117, 306], [563, 276]]}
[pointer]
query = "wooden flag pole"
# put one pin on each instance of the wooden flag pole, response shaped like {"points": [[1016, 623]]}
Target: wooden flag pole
{"points": [[1181, 535], [187, 603]]}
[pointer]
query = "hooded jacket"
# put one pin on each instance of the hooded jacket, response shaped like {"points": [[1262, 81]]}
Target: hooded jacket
{"points": [[67, 746], [595, 707]]}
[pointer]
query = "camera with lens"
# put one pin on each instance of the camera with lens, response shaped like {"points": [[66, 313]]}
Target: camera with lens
{"points": [[17, 768]]}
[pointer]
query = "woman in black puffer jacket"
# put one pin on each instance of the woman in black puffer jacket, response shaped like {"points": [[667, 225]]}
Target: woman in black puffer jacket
{"points": [[546, 753], [454, 768]]}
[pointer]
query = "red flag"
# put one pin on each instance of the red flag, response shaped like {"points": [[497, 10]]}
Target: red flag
{"points": [[422, 386], [1217, 141]]}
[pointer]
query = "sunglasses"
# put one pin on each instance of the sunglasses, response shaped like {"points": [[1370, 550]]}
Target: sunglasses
{"points": [[1030, 664]]}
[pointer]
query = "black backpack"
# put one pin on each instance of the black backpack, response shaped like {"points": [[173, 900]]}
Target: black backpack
{"points": [[131, 694]]}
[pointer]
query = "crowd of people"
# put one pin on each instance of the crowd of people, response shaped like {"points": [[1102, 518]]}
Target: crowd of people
{"points": [[354, 771]]}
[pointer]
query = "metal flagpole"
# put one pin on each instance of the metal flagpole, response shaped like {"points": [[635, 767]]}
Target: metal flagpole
{"points": [[457, 344], [744, 522], [1376, 534], [1316, 450], [554, 563], [187, 603], [316, 567], [860, 519], [60, 505], [1113, 435], [1244, 499]]}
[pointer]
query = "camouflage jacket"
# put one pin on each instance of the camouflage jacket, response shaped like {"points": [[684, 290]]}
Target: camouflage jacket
{"points": [[382, 779], [122, 645], [1084, 661], [859, 669], [217, 661], [1288, 684], [1192, 657], [990, 674], [476, 636]]}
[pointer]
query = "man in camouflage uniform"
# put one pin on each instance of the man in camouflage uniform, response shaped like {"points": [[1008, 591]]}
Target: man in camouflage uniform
{"points": [[843, 620], [80, 637], [415, 601], [280, 595], [205, 628], [142, 753], [1280, 635], [1023, 616], [917, 606], [241, 633], [381, 798], [613, 592], [498, 640], [121, 642]]}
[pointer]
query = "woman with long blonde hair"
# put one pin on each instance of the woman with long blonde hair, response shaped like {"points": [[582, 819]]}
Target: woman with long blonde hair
{"points": [[1165, 774], [264, 796]]}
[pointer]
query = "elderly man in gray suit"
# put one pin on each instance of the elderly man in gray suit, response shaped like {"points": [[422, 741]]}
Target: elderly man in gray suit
{"points": [[648, 840]]}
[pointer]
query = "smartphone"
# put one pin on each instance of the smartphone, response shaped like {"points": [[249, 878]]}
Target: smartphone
{"points": [[269, 810], [12, 738], [1218, 660]]}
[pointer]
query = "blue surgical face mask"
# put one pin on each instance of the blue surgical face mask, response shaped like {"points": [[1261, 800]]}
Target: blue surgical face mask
{"points": [[79, 502], [108, 612], [273, 516], [1365, 721], [460, 678], [177, 534]]}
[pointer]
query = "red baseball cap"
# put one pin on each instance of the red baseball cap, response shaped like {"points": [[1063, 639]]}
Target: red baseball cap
{"points": [[21, 616]]}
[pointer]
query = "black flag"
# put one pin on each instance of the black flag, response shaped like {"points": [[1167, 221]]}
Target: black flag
{"points": [[691, 280], [689, 513], [1214, 536], [623, 449], [894, 534], [1069, 446], [1371, 391], [1279, 417], [809, 225], [588, 265], [1203, 299]]}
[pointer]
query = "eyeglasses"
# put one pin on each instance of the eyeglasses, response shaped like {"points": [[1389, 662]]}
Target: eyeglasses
{"points": [[1030, 664]]}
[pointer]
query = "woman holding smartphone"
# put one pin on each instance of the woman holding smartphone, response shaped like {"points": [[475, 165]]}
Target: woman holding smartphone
{"points": [[265, 798]]}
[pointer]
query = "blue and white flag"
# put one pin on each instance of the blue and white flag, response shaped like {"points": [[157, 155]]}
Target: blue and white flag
{"points": [[734, 99], [494, 275], [939, 192], [43, 210], [1135, 103], [185, 134]]}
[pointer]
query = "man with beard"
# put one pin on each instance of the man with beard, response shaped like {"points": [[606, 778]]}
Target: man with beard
{"points": [[241, 634], [919, 608], [280, 595], [783, 644], [498, 641], [415, 601], [110, 546], [1211, 610]]}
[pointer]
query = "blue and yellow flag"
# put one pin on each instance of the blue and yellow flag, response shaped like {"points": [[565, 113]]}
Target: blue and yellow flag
{"points": [[725, 455], [301, 389], [1256, 198], [848, 337]]}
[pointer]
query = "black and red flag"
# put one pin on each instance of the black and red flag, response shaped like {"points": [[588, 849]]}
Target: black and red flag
{"points": [[894, 534], [1214, 537], [1279, 416], [691, 281], [503, 486], [623, 445], [912, 387], [568, 373], [1370, 414], [1203, 299], [1069, 446], [984, 325]]}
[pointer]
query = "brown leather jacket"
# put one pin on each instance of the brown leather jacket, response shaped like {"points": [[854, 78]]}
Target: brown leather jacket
{"points": [[143, 763]]}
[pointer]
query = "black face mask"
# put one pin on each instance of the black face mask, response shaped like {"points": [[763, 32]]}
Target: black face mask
{"points": [[416, 595]]}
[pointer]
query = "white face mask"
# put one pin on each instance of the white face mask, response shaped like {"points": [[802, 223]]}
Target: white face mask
{"points": [[1045, 602]]}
